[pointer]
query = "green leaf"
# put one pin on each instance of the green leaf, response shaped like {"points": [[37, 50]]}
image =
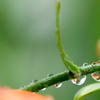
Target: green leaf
{"points": [[87, 90]]}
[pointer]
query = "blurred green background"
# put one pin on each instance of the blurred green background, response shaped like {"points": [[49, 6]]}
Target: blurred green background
{"points": [[28, 46]]}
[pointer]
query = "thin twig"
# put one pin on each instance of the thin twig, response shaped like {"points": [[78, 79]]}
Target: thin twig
{"points": [[60, 77]]}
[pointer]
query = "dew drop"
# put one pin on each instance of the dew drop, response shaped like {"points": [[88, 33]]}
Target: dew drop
{"points": [[49, 75], [58, 85], [43, 89], [35, 80], [96, 62], [22, 86], [85, 64], [79, 81], [96, 76]]}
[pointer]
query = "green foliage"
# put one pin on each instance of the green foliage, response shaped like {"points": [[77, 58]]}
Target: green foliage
{"points": [[87, 90]]}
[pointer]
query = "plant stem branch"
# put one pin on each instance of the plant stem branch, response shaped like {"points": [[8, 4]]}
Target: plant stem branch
{"points": [[67, 61], [66, 75], [60, 77]]}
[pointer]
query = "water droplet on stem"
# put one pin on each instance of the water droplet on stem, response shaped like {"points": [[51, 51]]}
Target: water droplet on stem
{"points": [[22, 86], [43, 89], [96, 76], [49, 75], [85, 64], [79, 81], [35, 80], [58, 85]]}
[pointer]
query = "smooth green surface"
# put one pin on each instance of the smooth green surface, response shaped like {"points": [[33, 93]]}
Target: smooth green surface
{"points": [[87, 90], [68, 63], [28, 45]]}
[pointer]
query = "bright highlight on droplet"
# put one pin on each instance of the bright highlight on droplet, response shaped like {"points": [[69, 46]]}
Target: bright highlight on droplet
{"points": [[79, 81], [43, 89], [85, 64], [96, 76], [58, 85]]}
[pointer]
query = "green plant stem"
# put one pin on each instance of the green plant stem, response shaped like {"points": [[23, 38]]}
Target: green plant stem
{"points": [[89, 69], [66, 75], [60, 77], [67, 61]]}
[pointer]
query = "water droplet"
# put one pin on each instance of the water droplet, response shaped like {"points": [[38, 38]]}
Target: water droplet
{"points": [[43, 89], [99, 61], [79, 81], [95, 62], [49, 75], [58, 85], [85, 64], [22, 86], [96, 76], [35, 80]]}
